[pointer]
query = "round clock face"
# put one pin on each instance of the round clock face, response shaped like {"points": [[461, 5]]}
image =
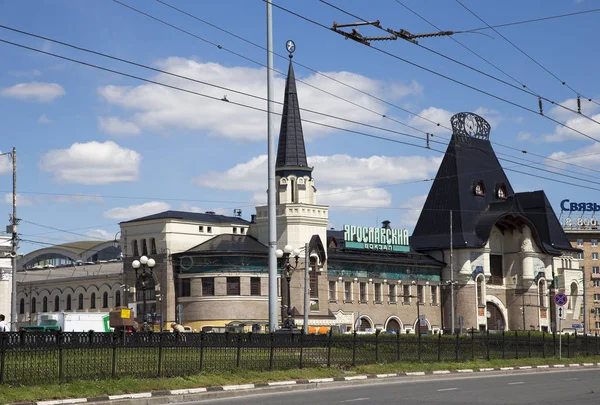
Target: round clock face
{"points": [[290, 46], [470, 125]]}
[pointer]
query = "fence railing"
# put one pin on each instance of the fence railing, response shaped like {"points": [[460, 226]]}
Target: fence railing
{"points": [[37, 357]]}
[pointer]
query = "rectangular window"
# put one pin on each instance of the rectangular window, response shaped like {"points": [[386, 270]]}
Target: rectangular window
{"points": [[135, 248], [152, 246], [186, 287], [378, 297], [580, 256], [255, 286], [332, 294], [208, 286], [597, 325], [348, 291], [595, 256], [596, 283], [421, 294], [209, 229], [363, 292], [233, 286], [596, 297], [392, 293], [595, 242], [201, 228], [406, 293], [434, 296], [579, 242], [596, 270], [144, 247], [242, 230], [313, 278], [234, 229]]}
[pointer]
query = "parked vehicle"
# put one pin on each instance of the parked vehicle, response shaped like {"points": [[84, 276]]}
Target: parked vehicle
{"points": [[71, 322]]}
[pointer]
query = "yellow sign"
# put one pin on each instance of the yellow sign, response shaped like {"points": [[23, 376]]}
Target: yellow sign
{"points": [[319, 330], [125, 313]]}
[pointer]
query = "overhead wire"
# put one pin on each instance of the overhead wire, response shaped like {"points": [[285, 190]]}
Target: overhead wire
{"points": [[524, 88], [563, 82]]}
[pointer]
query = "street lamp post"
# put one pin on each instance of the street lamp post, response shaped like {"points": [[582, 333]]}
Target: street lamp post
{"points": [[143, 274], [286, 270]]}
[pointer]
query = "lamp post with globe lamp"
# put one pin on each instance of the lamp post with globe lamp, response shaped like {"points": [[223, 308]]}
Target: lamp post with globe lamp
{"points": [[143, 275], [286, 271]]}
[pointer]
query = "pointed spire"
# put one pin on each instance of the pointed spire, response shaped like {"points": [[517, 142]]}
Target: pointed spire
{"points": [[291, 153]]}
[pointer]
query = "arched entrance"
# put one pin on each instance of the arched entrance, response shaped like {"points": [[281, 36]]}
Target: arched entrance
{"points": [[365, 324], [392, 326], [495, 320]]}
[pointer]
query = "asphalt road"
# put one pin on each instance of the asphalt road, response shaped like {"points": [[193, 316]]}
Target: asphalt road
{"points": [[581, 387]]}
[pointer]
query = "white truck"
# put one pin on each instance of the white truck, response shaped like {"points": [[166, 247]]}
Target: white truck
{"points": [[70, 322]]}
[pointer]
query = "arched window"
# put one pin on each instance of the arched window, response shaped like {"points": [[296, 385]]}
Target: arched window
{"points": [[136, 252], [479, 188], [68, 304], [573, 296], [118, 299], [93, 301], [22, 306], [480, 294], [365, 325], [152, 246], [56, 304], [80, 302], [542, 293], [148, 287], [144, 247], [105, 300], [45, 304], [33, 305]]}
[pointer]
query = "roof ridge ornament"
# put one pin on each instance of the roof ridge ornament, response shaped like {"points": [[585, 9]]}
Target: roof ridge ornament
{"points": [[470, 125]]}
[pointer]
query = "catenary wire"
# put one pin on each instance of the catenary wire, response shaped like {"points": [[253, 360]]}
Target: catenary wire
{"points": [[57, 229], [522, 86], [246, 106], [449, 78], [564, 83]]}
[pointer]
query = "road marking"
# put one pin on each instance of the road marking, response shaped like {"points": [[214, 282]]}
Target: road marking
{"points": [[355, 399], [571, 379], [447, 389], [516, 383]]}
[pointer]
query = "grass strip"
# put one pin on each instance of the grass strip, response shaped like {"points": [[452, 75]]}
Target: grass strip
{"points": [[95, 388]]}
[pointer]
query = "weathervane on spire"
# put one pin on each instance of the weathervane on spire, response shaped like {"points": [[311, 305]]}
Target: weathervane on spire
{"points": [[290, 46]]}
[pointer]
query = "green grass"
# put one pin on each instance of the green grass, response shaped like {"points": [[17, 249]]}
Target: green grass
{"points": [[93, 388]]}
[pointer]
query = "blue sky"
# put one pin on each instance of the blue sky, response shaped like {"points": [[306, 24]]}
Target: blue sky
{"points": [[95, 148]]}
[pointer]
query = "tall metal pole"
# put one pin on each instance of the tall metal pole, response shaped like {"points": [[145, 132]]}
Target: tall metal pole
{"points": [[451, 278], [271, 175], [584, 304], [13, 296], [306, 282], [523, 305]]}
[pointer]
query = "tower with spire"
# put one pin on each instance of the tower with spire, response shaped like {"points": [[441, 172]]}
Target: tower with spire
{"points": [[298, 215]]}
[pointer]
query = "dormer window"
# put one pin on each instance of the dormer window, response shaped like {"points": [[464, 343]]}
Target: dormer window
{"points": [[479, 189], [501, 192]]}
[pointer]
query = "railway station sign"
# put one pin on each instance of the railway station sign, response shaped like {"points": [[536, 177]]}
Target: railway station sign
{"points": [[381, 239]]}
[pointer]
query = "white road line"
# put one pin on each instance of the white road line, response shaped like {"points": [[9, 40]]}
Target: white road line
{"points": [[571, 379], [355, 399], [447, 389], [516, 383]]}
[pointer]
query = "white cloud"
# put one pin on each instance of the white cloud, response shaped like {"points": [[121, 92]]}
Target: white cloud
{"points": [[524, 136], [579, 123], [44, 120], [333, 171], [586, 156], [158, 108], [137, 211], [21, 200], [492, 116], [100, 234], [562, 114], [36, 91], [437, 115], [350, 197], [413, 206], [5, 164], [115, 126], [92, 163]]}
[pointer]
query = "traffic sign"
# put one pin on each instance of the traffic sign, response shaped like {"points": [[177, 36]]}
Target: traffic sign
{"points": [[561, 299], [561, 312]]}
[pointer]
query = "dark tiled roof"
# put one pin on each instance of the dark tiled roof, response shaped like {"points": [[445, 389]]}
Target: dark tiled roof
{"points": [[193, 216], [229, 243], [291, 153]]}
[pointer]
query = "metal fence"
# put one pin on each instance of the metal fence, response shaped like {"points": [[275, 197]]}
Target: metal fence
{"points": [[31, 358]]}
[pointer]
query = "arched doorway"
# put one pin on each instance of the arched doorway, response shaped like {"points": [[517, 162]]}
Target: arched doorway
{"points": [[392, 326], [365, 325], [495, 320]]}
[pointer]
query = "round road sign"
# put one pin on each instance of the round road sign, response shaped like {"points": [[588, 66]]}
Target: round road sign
{"points": [[560, 299]]}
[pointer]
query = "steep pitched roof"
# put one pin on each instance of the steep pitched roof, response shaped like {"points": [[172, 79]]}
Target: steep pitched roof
{"points": [[291, 152], [229, 243], [192, 216]]}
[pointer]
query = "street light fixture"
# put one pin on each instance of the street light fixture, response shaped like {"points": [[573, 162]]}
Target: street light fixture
{"points": [[286, 270], [143, 274]]}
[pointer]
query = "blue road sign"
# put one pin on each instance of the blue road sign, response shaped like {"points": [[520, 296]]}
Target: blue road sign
{"points": [[560, 299]]}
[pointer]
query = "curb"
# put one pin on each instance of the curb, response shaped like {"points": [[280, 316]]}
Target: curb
{"points": [[316, 381]]}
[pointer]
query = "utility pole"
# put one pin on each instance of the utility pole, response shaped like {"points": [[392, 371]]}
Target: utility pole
{"points": [[272, 224], [523, 306], [12, 229], [306, 285], [451, 278]]}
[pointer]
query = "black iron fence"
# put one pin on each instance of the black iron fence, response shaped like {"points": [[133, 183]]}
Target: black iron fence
{"points": [[32, 358]]}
